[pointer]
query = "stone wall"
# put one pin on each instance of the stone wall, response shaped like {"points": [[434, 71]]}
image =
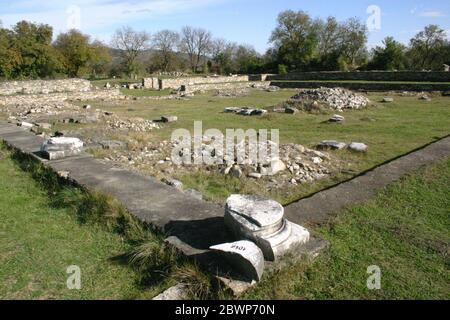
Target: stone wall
{"points": [[435, 76], [260, 77], [44, 86], [150, 83], [220, 86], [58, 97], [188, 81], [366, 86]]}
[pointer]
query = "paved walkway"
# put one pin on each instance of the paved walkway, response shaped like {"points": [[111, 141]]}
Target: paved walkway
{"points": [[319, 207]]}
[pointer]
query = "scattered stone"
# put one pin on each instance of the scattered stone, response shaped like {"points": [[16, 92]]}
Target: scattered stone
{"points": [[26, 125], [388, 99], [87, 107], [277, 166], [168, 119], [425, 98], [111, 144], [291, 110], [245, 256], [232, 110], [236, 171], [331, 144], [358, 147], [61, 147], [336, 119], [175, 293], [255, 175], [173, 183], [63, 174], [43, 125], [107, 85]]}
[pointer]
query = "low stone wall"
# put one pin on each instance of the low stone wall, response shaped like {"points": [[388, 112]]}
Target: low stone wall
{"points": [[177, 83], [105, 95], [220, 86], [44, 86], [260, 77], [150, 83], [435, 76], [368, 86]]}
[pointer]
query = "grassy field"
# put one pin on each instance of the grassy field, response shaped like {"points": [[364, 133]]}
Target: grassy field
{"points": [[146, 92], [390, 130], [42, 235], [405, 231]]}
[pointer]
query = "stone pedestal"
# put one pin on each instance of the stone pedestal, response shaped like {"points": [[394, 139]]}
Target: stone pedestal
{"points": [[61, 147], [261, 221]]}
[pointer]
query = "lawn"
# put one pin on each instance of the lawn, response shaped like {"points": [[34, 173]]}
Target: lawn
{"points": [[389, 130], [39, 241], [405, 231]]}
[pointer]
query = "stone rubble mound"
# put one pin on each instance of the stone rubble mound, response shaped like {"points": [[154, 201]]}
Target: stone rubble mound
{"points": [[238, 92], [334, 98], [135, 124], [245, 111]]}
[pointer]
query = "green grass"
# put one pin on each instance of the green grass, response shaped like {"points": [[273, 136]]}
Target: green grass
{"points": [[405, 231], [363, 81], [390, 130], [145, 92], [46, 227]]}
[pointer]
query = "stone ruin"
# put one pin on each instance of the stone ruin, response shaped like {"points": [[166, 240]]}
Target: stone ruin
{"points": [[262, 233], [338, 99]]}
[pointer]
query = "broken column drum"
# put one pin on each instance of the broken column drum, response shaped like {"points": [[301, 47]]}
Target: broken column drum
{"points": [[261, 221]]}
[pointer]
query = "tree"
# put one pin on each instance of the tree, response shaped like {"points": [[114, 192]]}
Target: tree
{"points": [[38, 58], [390, 57], [131, 43], [10, 58], [427, 47], [354, 39], [222, 53], [195, 43], [247, 60], [100, 58], [75, 49], [165, 42], [295, 38]]}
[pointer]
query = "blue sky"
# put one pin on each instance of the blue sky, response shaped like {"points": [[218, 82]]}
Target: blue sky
{"points": [[244, 21]]}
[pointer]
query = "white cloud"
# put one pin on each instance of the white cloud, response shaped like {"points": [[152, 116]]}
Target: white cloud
{"points": [[97, 14], [432, 14]]}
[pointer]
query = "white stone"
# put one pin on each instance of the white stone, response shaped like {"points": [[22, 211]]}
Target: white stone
{"points": [[331, 144], [26, 124], [249, 215], [277, 166], [61, 147], [245, 256], [358, 146], [177, 292]]}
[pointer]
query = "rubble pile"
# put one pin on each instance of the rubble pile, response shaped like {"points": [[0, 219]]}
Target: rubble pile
{"points": [[334, 98]]}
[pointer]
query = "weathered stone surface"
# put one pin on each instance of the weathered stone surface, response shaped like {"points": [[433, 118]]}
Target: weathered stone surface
{"points": [[358, 147], [248, 215], [61, 147], [44, 86], [291, 110], [388, 99], [245, 256], [425, 98], [334, 98], [173, 183], [336, 119], [277, 166], [331, 144], [177, 292], [168, 119]]}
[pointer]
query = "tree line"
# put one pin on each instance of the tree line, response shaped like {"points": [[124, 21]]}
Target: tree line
{"points": [[298, 43]]}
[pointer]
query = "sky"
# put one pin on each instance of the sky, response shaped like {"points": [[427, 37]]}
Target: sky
{"points": [[243, 21]]}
